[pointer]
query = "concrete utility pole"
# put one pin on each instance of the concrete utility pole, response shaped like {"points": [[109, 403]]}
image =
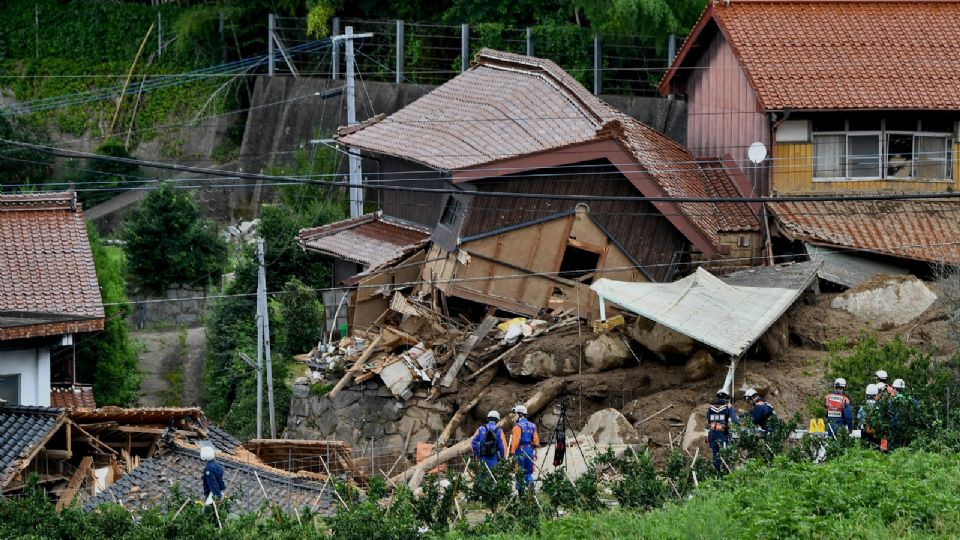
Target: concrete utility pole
{"points": [[356, 177], [263, 344]]}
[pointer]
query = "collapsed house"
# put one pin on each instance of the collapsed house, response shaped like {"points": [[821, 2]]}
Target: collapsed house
{"points": [[530, 129], [140, 458]]}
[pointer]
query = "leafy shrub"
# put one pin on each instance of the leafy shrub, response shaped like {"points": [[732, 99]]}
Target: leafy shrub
{"points": [[169, 243], [639, 486]]}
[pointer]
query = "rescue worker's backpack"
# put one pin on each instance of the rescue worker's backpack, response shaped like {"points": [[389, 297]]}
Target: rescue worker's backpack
{"points": [[488, 447]]}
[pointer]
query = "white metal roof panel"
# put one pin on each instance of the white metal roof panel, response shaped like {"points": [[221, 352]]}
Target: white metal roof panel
{"points": [[701, 306]]}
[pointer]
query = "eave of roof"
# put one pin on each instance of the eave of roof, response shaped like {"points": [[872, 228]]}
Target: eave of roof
{"points": [[385, 239]]}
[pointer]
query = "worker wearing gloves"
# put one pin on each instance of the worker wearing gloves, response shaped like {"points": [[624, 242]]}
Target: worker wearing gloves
{"points": [[839, 411], [719, 415], [524, 444], [760, 411], [213, 485], [489, 443]]}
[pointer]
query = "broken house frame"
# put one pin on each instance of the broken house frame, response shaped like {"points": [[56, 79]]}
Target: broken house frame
{"points": [[528, 129]]}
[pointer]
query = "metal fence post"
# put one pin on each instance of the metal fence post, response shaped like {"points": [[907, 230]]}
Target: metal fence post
{"points": [[335, 54], [271, 22], [671, 48], [464, 47], [596, 64], [159, 35], [529, 41], [399, 51]]}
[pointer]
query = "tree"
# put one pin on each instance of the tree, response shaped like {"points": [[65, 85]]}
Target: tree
{"points": [[301, 317], [22, 167], [169, 243], [108, 358]]}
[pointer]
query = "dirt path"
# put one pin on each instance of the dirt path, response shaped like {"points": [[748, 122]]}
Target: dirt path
{"points": [[172, 358]]}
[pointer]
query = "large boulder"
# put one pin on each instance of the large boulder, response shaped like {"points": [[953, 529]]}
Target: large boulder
{"points": [[700, 366], [605, 353], [610, 428], [539, 364], [888, 301], [776, 340], [661, 340], [758, 382]]}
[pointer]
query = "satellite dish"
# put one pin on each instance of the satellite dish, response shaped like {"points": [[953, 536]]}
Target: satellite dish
{"points": [[757, 152]]}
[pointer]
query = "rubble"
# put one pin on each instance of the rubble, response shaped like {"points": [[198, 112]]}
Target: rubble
{"points": [[887, 301], [700, 366], [609, 427]]}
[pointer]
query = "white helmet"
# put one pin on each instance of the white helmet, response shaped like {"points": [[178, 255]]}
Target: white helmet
{"points": [[899, 384], [882, 375], [872, 390], [207, 453], [493, 414], [520, 409], [840, 382], [750, 393]]}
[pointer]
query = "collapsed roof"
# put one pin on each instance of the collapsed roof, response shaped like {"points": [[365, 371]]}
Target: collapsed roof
{"points": [[509, 106], [371, 240], [728, 314]]}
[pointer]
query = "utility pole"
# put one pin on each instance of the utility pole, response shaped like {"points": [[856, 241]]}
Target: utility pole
{"points": [[263, 335], [259, 365], [356, 174]]}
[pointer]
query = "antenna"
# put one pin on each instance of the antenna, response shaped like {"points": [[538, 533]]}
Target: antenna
{"points": [[757, 152]]}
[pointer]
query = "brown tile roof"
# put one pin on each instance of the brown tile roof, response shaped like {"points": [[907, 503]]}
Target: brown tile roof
{"points": [[841, 54], [731, 217], [370, 240], [507, 106], [47, 266], [921, 230], [76, 396]]}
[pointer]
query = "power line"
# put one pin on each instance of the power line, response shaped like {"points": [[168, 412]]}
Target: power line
{"points": [[580, 197]]}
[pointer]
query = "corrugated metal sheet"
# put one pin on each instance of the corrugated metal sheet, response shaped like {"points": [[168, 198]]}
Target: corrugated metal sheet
{"points": [[701, 306], [924, 230], [370, 240], [849, 269]]}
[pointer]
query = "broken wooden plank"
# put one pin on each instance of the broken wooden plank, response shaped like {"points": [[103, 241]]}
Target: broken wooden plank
{"points": [[468, 346], [348, 376], [463, 411], [75, 482], [493, 362]]}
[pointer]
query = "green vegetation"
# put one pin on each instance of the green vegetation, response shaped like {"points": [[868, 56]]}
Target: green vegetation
{"points": [[169, 243], [109, 358], [92, 175]]}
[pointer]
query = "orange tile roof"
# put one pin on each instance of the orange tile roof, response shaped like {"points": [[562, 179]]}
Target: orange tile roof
{"points": [[841, 54], [76, 396], [925, 230], [508, 106], [47, 266]]}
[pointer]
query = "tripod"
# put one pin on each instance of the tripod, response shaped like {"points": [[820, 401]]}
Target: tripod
{"points": [[560, 439]]}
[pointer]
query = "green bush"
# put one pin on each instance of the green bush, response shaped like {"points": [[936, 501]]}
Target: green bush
{"points": [[169, 243], [108, 359]]}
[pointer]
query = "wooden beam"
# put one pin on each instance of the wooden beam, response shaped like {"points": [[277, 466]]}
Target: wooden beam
{"points": [[468, 346], [57, 454], [153, 431], [132, 444], [357, 366], [75, 481], [90, 439]]}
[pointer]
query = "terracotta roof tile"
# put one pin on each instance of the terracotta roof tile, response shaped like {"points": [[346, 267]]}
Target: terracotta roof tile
{"points": [[731, 217], [370, 240], [510, 105], [843, 54], [45, 261], [921, 230], [76, 396]]}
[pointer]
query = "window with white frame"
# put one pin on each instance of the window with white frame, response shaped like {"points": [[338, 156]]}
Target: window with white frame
{"points": [[894, 149]]}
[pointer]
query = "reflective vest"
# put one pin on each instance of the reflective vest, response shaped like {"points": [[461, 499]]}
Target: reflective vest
{"points": [[836, 402], [527, 431], [718, 417]]}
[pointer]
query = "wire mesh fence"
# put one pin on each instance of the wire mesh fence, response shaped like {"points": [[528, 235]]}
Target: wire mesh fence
{"points": [[427, 53]]}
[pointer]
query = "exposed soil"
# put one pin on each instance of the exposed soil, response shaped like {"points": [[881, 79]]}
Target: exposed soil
{"points": [[789, 380]]}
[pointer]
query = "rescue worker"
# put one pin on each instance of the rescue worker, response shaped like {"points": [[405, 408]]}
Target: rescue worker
{"points": [[523, 444], [719, 415], [839, 411], [899, 386], [883, 389], [760, 411], [489, 443], [868, 432], [213, 485]]}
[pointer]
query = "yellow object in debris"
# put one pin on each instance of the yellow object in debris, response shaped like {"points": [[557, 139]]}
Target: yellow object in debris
{"points": [[607, 325], [507, 324], [821, 427], [813, 425]]}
